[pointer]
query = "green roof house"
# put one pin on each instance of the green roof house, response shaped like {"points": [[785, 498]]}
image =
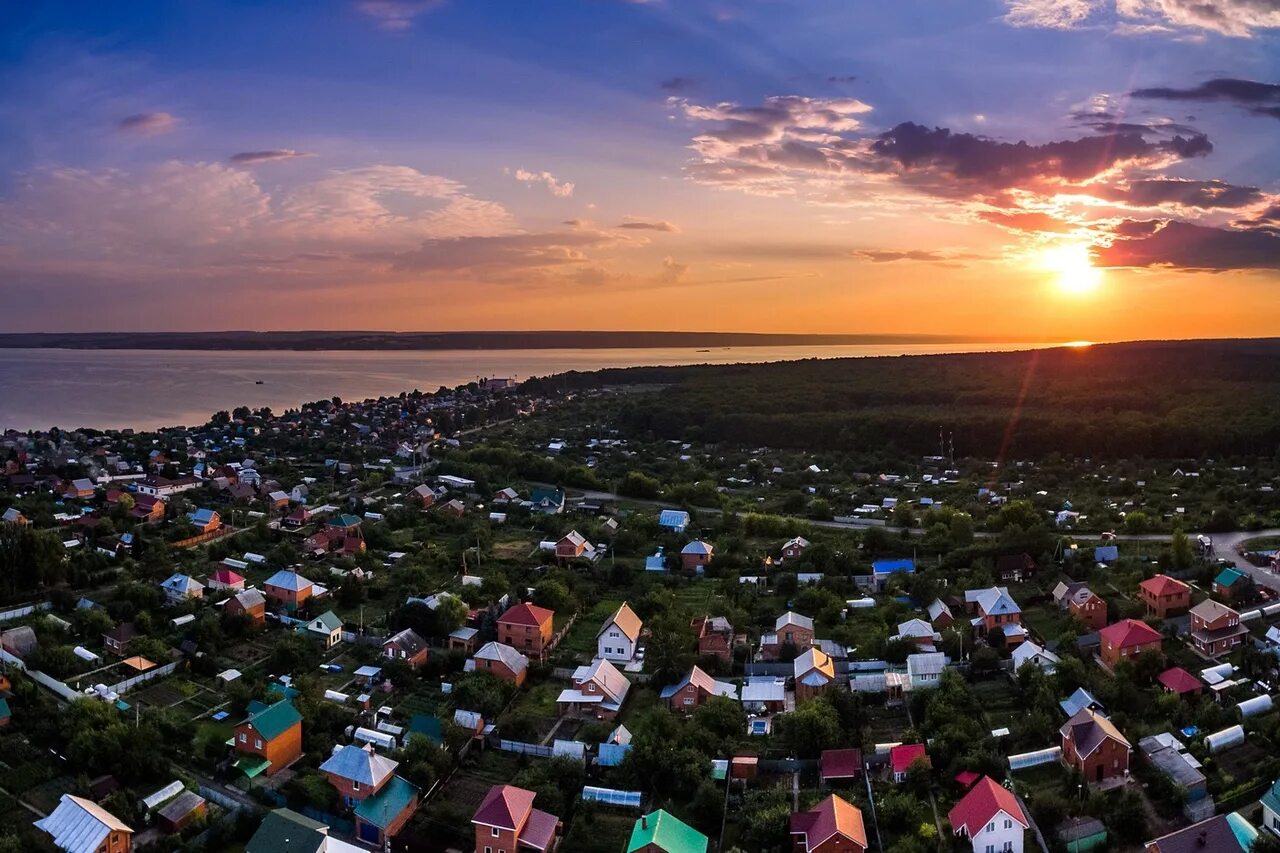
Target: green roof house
{"points": [[663, 832], [326, 627], [269, 739], [286, 831]]}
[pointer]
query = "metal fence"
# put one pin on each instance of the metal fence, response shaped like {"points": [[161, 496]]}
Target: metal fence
{"points": [[19, 612], [143, 677], [522, 748]]}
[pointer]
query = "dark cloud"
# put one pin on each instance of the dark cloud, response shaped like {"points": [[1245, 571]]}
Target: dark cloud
{"points": [[679, 84], [884, 256], [1258, 98], [249, 158], [148, 124], [1183, 245], [649, 225], [1206, 195], [1026, 221], [842, 78], [981, 164]]}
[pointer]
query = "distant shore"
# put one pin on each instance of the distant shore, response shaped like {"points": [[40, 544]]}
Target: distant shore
{"points": [[498, 340]]}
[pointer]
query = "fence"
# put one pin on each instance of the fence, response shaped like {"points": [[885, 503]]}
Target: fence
{"points": [[213, 795], [335, 823], [157, 672], [521, 748], [19, 612], [201, 538]]}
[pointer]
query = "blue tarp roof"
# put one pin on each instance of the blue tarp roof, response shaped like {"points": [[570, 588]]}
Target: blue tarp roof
{"points": [[884, 567]]}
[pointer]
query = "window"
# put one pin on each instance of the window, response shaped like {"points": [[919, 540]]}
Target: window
{"points": [[1008, 824], [257, 743], [1008, 847], [488, 849], [355, 786], [991, 848], [688, 700], [495, 832], [991, 826], [244, 738]]}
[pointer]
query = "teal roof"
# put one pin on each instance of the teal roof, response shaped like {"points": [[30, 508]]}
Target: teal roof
{"points": [[428, 726], [1227, 577], [345, 520], [666, 832], [4, 707], [329, 620], [1271, 799], [271, 721], [384, 807]]}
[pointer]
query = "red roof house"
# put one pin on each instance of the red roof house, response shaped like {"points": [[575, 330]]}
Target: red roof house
{"points": [[1178, 680], [1126, 639], [527, 627], [901, 758], [990, 817], [839, 765], [830, 826], [1164, 596], [507, 820]]}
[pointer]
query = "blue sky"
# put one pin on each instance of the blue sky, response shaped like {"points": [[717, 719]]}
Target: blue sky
{"points": [[770, 163]]}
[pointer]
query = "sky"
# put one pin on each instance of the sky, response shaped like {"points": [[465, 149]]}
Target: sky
{"points": [[1030, 169]]}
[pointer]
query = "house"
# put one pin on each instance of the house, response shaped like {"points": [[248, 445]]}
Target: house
{"points": [[507, 821], [1015, 568], [1169, 755], [792, 632], [675, 520], [269, 739], [814, 672], [619, 635], [715, 637], [903, 756], [1093, 745], [178, 588], [995, 613], [571, 546], [1126, 639], [407, 646], [696, 555], [883, 570], [1089, 609], [505, 496], [1164, 596], [1271, 808], [1180, 682], [547, 501], [288, 589], [919, 633], [841, 766], [326, 627], [1233, 585], [529, 628], [1032, 654], [1064, 592], [78, 825], [990, 816], [421, 496], [383, 802], [764, 694], [183, 810], [81, 488], [940, 615], [794, 549], [147, 509], [162, 487], [694, 690], [924, 670], [832, 826], [249, 603], [118, 638], [599, 689], [205, 520], [1215, 628], [1224, 833], [663, 832], [286, 831], [298, 518], [500, 661], [13, 516], [454, 507], [227, 579]]}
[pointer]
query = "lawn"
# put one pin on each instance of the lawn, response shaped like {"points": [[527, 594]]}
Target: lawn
{"points": [[579, 645]]}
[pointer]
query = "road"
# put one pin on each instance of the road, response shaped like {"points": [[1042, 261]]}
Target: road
{"points": [[1226, 546]]}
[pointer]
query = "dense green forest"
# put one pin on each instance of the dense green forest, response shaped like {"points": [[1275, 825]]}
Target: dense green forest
{"points": [[1182, 399]]}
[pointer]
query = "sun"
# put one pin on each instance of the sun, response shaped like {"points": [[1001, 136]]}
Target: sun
{"points": [[1071, 263]]}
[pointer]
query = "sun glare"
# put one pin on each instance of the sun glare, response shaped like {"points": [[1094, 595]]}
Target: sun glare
{"points": [[1076, 274]]}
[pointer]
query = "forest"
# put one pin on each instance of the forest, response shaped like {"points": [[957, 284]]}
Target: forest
{"points": [[1157, 400]]}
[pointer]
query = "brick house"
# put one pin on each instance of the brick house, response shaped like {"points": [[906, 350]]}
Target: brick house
{"points": [[269, 739], [507, 821], [599, 690], [407, 646], [1126, 639], [382, 801], [117, 640], [288, 589], [832, 826], [790, 629], [815, 672], [695, 690], [1215, 628], [1233, 585], [528, 628], [696, 555], [500, 661], [1089, 609], [571, 546], [1164, 596], [715, 637], [995, 613], [1093, 745], [250, 603]]}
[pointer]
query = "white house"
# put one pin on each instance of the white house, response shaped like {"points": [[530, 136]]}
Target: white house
{"points": [[1271, 808], [619, 635], [180, 587], [991, 818], [1035, 655], [924, 670]]}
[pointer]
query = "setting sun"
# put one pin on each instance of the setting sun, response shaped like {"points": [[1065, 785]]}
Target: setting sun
{"points": [[1076, 274]]}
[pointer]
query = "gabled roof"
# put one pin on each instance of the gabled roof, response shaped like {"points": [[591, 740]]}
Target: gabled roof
{"points": [[794, 619], [407, 641], [626, 620], [673, 518], [574, 538], [697, 548], [666, 832], [1128, 633], [80, 826], [841, 763], [249, 598], [286, 579], [1227, 833], [1161, 585], [359, 764], [993, 601], [226, 576], [1209, 610], [829, 818], [1080, 699], [700, 679], [1087, 729], [286, 831], [610, 679], [979, 807], [1228, 577], [527, 614], [271, 721], [505, 806], [506, 655], [904, 755], [182, 583], [814, 660], [327, 621]]}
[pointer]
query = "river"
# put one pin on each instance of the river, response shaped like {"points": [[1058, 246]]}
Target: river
{"points": [[146, 389]]}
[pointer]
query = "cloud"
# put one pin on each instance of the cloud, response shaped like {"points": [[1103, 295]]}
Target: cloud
{"points": [[1240, 18], [679, 84], [884, 256], [649, 225], [249, 158], [1179, 192], [1258, 98], [505, 255], [1034, 221], [148, 124], [841, 78], [558, 188], [396, 15], [1187, 246], [672, 271]]}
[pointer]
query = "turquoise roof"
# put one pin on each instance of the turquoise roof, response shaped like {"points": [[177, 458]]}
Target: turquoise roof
{"points": [[4, 707], [1227, 577], [1271, 799], [384, 807], [271, 721], [666, 832]]}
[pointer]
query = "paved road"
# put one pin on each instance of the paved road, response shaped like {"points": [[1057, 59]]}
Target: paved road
{"points": [[1226, 546]]}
